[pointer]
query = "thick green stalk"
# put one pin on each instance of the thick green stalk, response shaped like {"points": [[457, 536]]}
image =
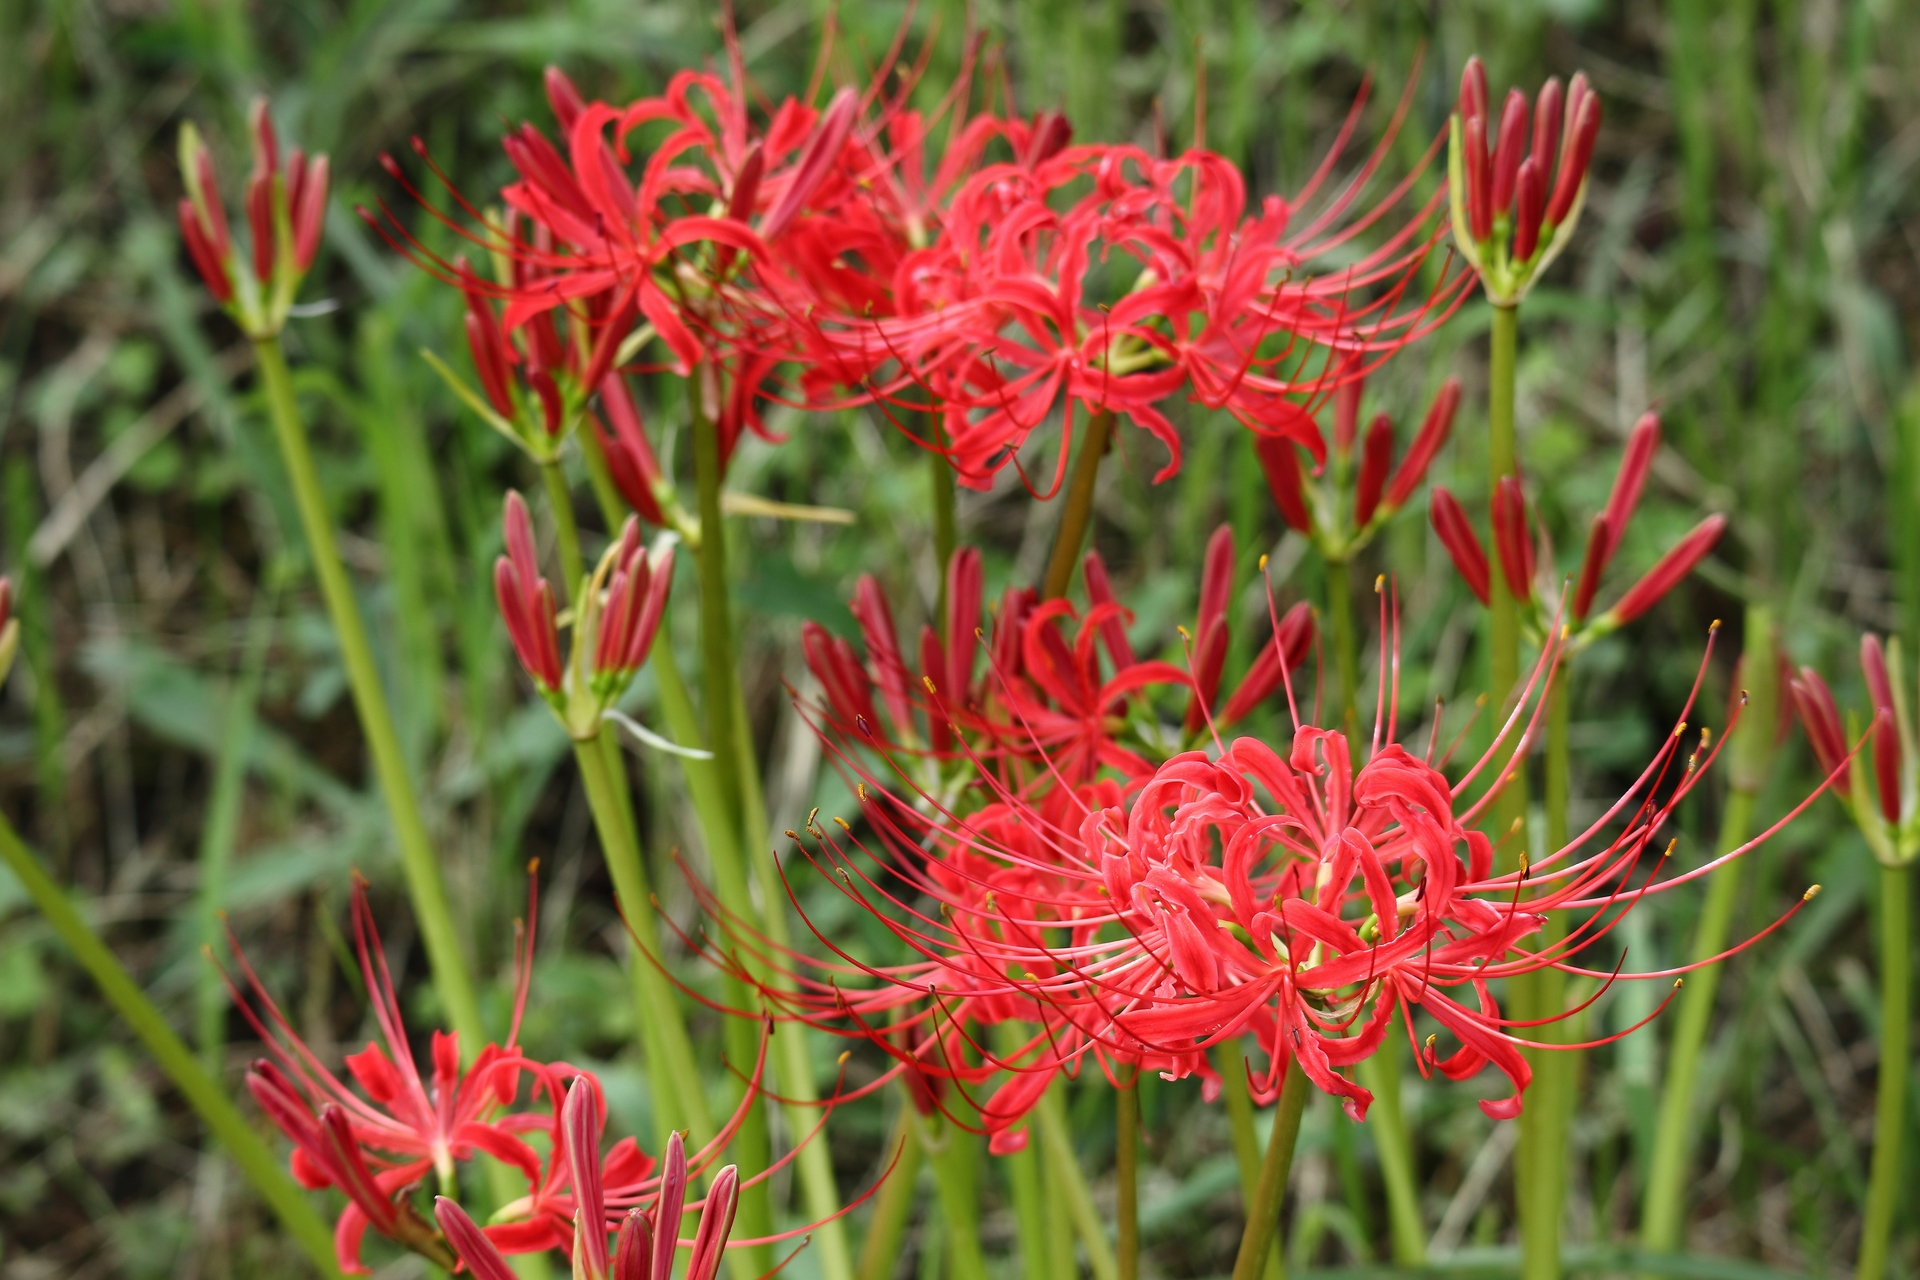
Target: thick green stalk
{"points": [[268, 1176], [1077, 512], [566, 528], [1126, 1113], [946, 526], [1890, 1097], [1025, 1183], [670, 1060], [953, 1154], [1057, 1145], [1663, 1210], [417, 857], [1246, 1142], [1381, 1072], [1058, 1209], [1263, 1212], [893, 1205], [1544, 1122], [752, 1147]]}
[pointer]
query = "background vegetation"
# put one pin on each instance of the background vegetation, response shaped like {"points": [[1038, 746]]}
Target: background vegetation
{"points": [[177, 740]]}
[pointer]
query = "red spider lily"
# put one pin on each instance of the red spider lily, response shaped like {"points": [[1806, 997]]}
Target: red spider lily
{"points": [[1004, 318], [1379, 490], [1236, 891], [376, 1148], [1514, 206], [1044, 703], [1885, 798], [1514, 543], [9, 627], [285, 208], [620, 606]]}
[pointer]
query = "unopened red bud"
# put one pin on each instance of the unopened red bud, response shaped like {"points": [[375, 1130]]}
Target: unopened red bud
{"points": [[1886, 737], [1216, 577], [1643, 442], [746, 185], [1281, 461], [1426, 444], [309, 212], [1113, 631], [564, 98], [1513, 537], [875, 616], [1599, 549], [1376, 457], [552, 407], [207, 260], [1473, 89], [630, 460], [1583, 129], [260, 223], [1528, 204], [1346, 413], [266, 145], [1479, 190], [1509, 147], [816, 161], [481, 337], [1549, 110], [1285, 650], [1672, 567], [963, 621], [1821, 719], [1048, 137], [1462, 544], [469, 1242]]}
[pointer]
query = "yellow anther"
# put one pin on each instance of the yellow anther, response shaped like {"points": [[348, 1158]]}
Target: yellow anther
{"points": [[1183, 634], [1379, 583], [843, 824], [793, 835], [533, 866], [813, 818], [1263, 563], [1680, 728], [861, 789], [928, 681], [1668, 851], [1809, 895], [1679, 983]]}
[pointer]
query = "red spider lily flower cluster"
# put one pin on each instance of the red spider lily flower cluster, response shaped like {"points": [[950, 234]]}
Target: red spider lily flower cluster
{"points": [[379, 1144], [1516, 196], [1013, 310], [644, 1244], [1058, 692], [1884, 799], [285, 206], [9, 628], [1515, 543], [1376, 489], [1231, 891], [620, 606]]}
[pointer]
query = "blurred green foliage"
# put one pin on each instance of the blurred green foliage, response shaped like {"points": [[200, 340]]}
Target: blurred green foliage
{"points": [[1749, 262]]}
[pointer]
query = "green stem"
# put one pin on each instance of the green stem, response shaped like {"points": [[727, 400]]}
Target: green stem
{"points": [[1028, 1196], [1544, 1123], [1503, 666], [1263, 1211], [1126, 1114], [261, 1168], [670, 1060], [946, 536], [1246, 1141], [1077, 513], [1381, 1072], [1663, 1214], [1663, 1211], [894, 1203], [1057, 1208], [1890, 1097], [952, 1153], [572, 567], [417, 857], [752, 1147], [1072, 1184]]}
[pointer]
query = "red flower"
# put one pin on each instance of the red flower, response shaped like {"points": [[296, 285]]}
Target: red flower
{"points": [[1514, 209], [377, 1147], [1880, 798], [1141, 922]]}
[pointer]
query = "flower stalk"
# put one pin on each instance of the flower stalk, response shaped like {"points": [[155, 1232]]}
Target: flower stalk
{"points": [[217, 1112], [1126, 1098], [1076, 513], [1262, 1231]]}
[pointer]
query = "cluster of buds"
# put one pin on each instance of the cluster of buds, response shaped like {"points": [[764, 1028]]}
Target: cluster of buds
{"points": [[1515, 207], [285, 207], [9, 628], [644, 1244], [1517, 546], [618, 611], [1338, 527], [1884, 800]]}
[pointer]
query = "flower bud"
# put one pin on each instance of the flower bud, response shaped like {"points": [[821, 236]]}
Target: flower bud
{"points": [[1473, 89], [1886, 737], [1479, 188], [1346, 413], [1642, 443], [1821, 719], [580, 1122], [1376, 457], [564, 98], [1433, 434], [469, 1242], [1509, 147], [1599, 549], [1512, 537], [816, 161], [1281, 463], [1527, 200], [630, 460], [1583, 129], [1048, 136], [526, 601], [1549, 108], [1462, 544], [1667, 572], [1283, 652]]}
